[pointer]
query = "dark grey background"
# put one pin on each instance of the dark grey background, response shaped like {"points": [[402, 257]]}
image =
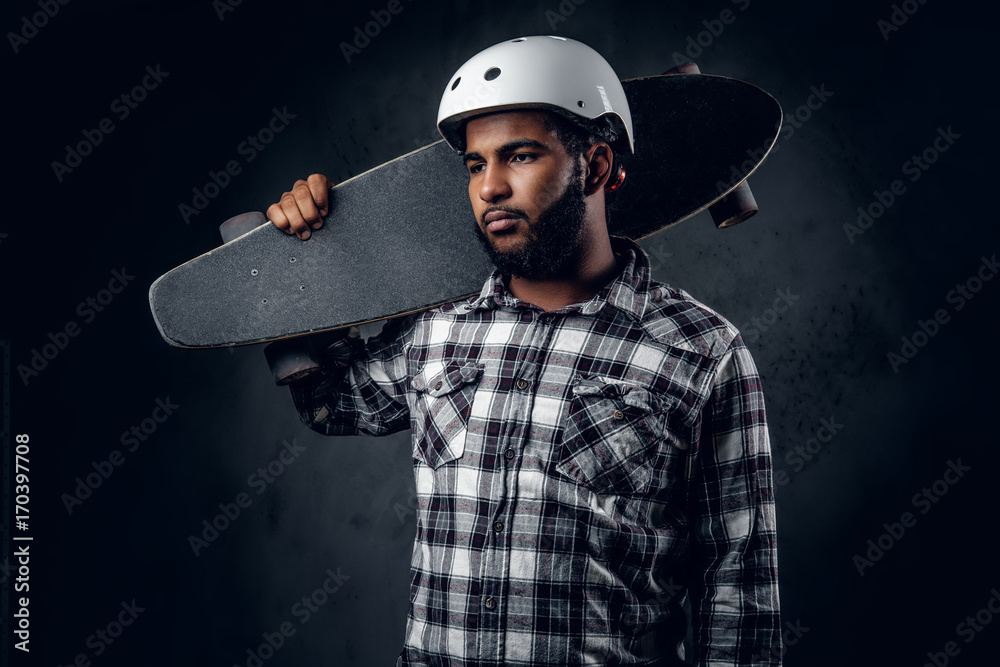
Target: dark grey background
{"points": [[344, 504]]}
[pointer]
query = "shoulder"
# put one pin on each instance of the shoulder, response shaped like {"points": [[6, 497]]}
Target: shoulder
{"points": [[446, 311], [675, 318], [438, 324]]}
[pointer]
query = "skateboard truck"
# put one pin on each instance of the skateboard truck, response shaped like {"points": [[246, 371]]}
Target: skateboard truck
{"points": [[739, 204], [291, 359]]}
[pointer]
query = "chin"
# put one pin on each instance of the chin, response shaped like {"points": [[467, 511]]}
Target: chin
{"points": [[506, 241]]}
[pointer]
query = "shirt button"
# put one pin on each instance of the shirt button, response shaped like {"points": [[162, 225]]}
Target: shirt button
{"points": [[498, 526], [509, 454], [437, 385], [490, 603], [521, 384], [618, 414]]}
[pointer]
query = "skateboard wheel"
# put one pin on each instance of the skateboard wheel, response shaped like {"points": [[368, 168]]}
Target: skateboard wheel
{"points": [[334, 347], [238, 225], [684, 68], [291, 359], [734, 208]]}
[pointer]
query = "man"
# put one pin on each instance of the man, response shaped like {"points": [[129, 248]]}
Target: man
{"points": [[589, 446]]}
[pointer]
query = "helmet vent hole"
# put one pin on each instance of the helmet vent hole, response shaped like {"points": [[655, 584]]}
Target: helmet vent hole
{"points": [[455, 85], [492, 73], [579, 103], [519, 39]]}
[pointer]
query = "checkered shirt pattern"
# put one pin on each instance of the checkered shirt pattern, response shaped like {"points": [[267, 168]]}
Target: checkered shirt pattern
{"points": [[578, 472]]}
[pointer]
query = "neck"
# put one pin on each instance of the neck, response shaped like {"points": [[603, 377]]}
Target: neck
{"points": [[596, 267]]}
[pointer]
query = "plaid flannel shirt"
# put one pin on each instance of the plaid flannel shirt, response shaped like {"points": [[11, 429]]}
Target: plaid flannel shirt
{"points": [[578, 472]]}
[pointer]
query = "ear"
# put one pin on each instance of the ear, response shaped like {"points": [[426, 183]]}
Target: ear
{"points": [[599, 159]]}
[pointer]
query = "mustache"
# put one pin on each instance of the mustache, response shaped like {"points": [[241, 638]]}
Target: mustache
{"points": [[514, 212]]}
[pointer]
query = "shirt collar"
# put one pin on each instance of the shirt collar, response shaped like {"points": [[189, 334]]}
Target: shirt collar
{"points": [[628, 292]]}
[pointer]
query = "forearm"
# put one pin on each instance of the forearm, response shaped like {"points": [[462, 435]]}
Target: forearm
{"points": [[361, 388], [735, 583]]}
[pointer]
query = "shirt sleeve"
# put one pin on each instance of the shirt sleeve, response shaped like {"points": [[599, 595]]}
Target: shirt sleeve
{"points": [[361, 387], [734, 577]]}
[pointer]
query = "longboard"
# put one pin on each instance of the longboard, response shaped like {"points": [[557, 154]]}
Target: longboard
{"points": [[401, 237]]}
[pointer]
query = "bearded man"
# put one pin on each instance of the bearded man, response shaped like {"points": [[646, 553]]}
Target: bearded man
{"points": [[589, 445]]}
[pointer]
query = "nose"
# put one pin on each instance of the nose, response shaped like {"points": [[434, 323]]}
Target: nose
{"points": [[494, 185]]}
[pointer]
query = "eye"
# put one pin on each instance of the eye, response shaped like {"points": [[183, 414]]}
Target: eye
{"points": [[476, 167], [523, 157]]}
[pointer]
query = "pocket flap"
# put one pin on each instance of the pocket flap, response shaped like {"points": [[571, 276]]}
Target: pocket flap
{"points": [[439, 381], [440, 414], [630, 394]]}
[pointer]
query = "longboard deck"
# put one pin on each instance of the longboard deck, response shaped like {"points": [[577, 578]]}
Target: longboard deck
{"points": [[401, 237]]}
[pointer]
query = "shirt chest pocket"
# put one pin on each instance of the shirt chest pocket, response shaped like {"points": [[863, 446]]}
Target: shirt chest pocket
{"points": [[611, 436], [440, 414]]}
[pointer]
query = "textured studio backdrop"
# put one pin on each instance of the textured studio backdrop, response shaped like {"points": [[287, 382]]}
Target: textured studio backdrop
{"points": [[183, 516]]}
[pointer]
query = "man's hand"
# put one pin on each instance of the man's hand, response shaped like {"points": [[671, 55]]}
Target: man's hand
{"points": [[303, 208]]}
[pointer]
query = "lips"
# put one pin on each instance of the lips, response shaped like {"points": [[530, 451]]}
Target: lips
{"points": [[498, 221]]}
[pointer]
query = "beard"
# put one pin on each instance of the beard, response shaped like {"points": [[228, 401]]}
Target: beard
{"points": [[553, 242]]}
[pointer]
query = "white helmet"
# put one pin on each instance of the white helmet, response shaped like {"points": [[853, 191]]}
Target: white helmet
{"points": [[544, 72]]}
